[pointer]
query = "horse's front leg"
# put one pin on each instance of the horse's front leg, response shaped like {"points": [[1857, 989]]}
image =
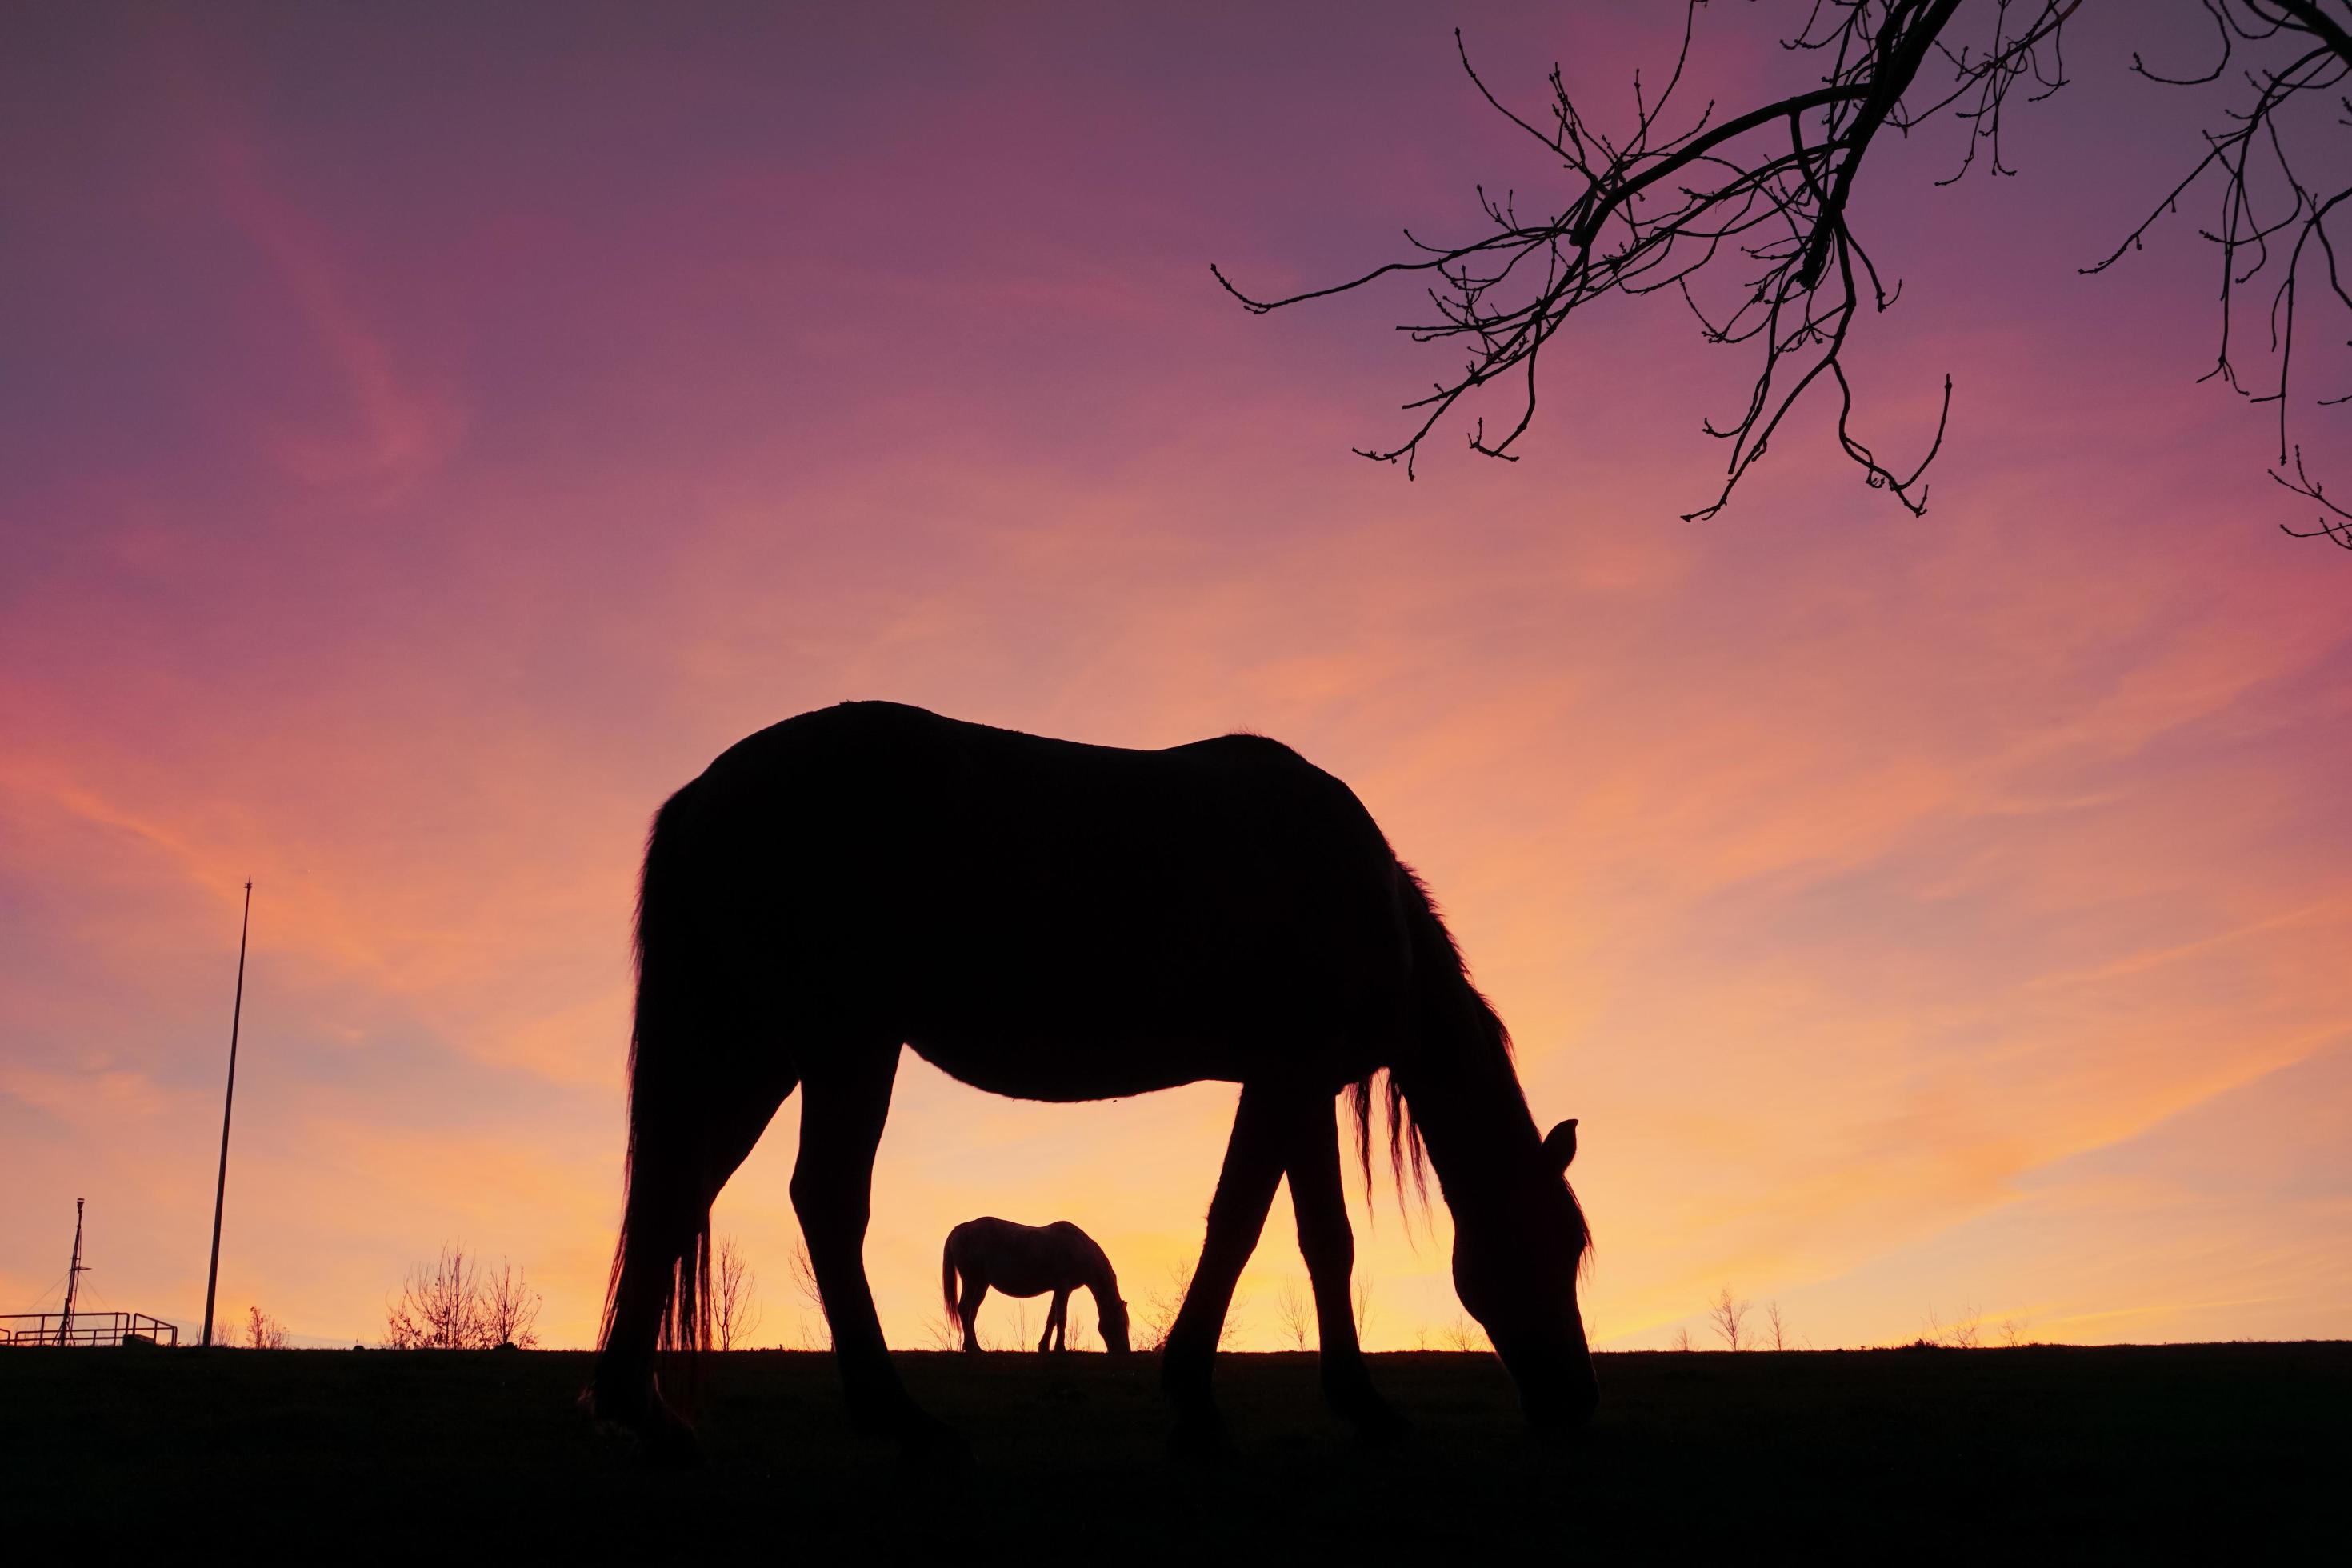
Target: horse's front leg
{"points": [[1320, 1201], [1054, 1320], [1253, 1161], [842, 1118]]}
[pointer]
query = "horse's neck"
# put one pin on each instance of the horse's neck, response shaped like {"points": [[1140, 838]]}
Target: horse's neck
{"points": [[1095, 1273], [1464, 1097]]}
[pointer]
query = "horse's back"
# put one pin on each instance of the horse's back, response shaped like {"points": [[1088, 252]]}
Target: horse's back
{"points": [[1000, 889]]}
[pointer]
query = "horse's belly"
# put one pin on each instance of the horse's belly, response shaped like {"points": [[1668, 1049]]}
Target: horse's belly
{"points": [[1028, 1068], [1018, 1281]]}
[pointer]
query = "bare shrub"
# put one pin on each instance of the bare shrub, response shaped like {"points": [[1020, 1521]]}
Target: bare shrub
{"points": [[437, 1306], [1728, 1315], [262, 1332], [1462, 1334], [1167, 1303], [1682, 1341], [1359, 1301], [1161, 1308], [1775, 1332], [448, 1305]]}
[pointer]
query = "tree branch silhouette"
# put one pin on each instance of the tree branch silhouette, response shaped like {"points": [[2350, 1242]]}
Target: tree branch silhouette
{"points": [[2256, 164], [1746, 219]]}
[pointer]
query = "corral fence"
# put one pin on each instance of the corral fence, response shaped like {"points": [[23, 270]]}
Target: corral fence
{"points": [[86, 1329]]}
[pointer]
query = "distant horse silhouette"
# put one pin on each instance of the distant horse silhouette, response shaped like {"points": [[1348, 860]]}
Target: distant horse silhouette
{"points": [[992, 1253], [1058, 922]]}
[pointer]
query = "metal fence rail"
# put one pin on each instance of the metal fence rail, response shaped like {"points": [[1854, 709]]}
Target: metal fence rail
{"points": [[27, 1329]]}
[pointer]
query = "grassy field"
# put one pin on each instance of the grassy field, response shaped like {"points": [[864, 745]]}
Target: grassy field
{"points": [[1890, 1455]]}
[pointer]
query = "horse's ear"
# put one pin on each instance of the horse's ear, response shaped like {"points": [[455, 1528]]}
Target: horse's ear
{"points": [[1560, 1145]]}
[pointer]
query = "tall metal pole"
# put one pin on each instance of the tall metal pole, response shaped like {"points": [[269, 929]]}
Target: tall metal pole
{"points": [[73, 1281], [228, 1105]]}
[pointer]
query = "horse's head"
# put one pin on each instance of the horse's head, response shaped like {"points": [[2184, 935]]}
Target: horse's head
{"points": [[1110, 1319], [1515, 1268]]}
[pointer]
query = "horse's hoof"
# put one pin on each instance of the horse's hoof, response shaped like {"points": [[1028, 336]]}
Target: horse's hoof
{"points": [[661, 1437], [669, 1443]]}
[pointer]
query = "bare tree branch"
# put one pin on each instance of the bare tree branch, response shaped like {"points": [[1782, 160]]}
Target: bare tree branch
{"points": [[1764, 192], [1747, 219], [2255, 165]]}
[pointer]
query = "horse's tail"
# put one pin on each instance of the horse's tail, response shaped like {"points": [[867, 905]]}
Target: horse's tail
{"points": [[665, 1213], [948, 1277]]}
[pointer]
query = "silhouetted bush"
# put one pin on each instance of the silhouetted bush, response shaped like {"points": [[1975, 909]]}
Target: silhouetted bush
{"points": [[452, 1305]]}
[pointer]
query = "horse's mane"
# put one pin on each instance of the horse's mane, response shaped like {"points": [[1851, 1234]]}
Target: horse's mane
{"points": [[1442, 996], [1440, 976]]}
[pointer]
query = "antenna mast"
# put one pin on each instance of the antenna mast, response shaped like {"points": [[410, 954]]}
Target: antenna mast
{"points": [[228, 1104], [73, 1278]]}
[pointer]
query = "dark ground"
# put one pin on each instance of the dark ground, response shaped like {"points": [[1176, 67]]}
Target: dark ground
{"points": [[2048, 1454]]}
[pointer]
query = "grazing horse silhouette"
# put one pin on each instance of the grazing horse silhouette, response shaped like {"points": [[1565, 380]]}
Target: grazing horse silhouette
{"points": [[1060, 922], [1030, 1260]]}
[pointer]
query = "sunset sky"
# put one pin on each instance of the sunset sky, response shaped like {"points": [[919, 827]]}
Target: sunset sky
{"points": [[428, 435]]}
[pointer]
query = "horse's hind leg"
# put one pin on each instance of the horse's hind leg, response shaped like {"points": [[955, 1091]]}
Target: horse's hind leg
{"points": [[691, 1134], [975, 1291], [1263, 1128], [1054, 1317], [847, 1101], [1320, 1201]]}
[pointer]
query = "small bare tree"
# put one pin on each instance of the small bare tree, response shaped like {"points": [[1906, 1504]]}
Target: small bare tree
{"points": [[509, 1309], [1359, 1303], [2012, 1333], [1728, 1314], [1295, 1311], [1775, 1329], [812, 1296], [732, 1284], [262, 1332], [1682, 1340]]}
